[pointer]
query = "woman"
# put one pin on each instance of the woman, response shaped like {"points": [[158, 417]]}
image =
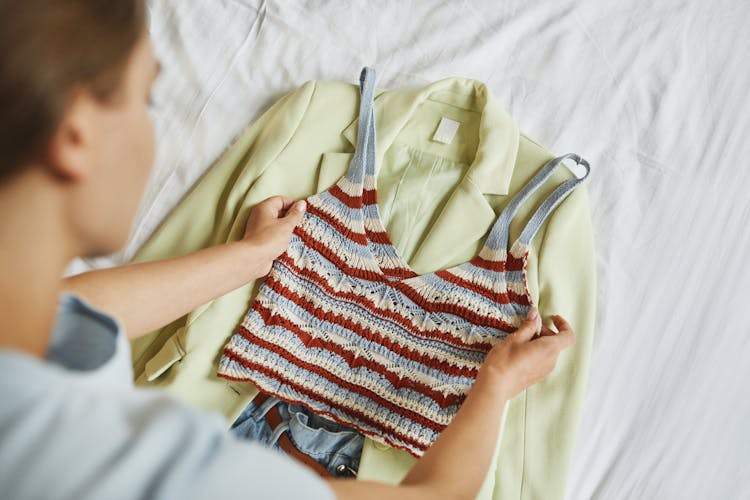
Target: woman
{"points": [[75, 153]]}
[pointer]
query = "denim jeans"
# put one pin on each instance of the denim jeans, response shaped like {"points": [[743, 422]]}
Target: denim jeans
{"points": [[335, 446]]}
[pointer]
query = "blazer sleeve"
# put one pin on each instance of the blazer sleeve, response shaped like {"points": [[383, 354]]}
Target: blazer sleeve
{"points": [[566, 286], [209, 213], [204, 216]]}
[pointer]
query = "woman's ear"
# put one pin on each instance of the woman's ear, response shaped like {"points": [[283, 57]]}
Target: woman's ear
{"points": [[70, 151]]}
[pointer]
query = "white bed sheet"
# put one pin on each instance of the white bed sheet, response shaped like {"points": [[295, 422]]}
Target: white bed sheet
{"points": [[653, 94]]}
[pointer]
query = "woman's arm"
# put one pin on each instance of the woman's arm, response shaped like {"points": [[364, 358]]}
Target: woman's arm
{"points": [[455, 466], [149, 295]]}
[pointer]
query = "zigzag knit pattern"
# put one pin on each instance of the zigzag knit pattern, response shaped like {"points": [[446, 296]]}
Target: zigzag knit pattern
{"points": [[344, 326]]}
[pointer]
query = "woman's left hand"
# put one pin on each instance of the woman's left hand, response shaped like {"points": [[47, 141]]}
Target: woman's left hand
{"points": [[269, 228]]}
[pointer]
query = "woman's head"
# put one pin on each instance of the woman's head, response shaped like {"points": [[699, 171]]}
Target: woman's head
{"points": [[75, 78]]}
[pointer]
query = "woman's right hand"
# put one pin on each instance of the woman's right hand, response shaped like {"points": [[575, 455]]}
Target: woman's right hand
{"points": [[269, 230], [523, 358]]}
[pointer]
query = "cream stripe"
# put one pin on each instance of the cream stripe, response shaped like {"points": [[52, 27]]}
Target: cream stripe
{"points": [[445, 388], [344, 405], [342, 215], [493, 255], [364, 322], [349, 187], [362, 379], [497, 286], [355, 286], [364, 262], [452, 294]]}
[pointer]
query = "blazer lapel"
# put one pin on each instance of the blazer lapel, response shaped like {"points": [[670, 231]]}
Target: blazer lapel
{"points": [[466, 218], [462, 224], [333, 165]]}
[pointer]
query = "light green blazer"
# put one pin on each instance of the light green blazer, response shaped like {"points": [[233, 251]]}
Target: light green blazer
{"points": [[438, 202]]}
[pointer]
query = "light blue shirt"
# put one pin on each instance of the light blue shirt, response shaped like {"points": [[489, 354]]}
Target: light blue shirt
{"points": [[74, 426]]}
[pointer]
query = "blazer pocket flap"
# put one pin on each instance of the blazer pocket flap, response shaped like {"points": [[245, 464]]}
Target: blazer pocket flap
{"points": [[170, 353]]}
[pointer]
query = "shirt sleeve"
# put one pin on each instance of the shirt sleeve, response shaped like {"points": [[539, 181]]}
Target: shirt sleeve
{"points": [[137, 444]]}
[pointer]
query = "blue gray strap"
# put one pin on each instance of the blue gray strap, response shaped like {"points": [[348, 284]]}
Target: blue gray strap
{"points": [[498, 238], [363, 161]]}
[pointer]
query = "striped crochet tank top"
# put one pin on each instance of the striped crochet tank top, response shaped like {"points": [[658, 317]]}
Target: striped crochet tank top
{"points": [[342, 324]]}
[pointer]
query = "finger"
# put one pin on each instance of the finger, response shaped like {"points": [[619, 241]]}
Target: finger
{"points": [[529, 327], [278, 203], [561, 323], [546, 346], [286, 202], [273, 205], [546, 331], [282, 205], [295, 212], [565, 335]]}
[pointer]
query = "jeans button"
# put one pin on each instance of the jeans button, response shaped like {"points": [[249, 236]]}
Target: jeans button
{"points": [[345, 470]]}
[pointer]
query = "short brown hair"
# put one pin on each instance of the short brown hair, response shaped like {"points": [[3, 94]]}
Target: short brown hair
{"points": [[47, 48]]}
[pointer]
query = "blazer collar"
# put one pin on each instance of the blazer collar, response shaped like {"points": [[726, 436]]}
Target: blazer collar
{"points": [[450, 239], [495, 157]]}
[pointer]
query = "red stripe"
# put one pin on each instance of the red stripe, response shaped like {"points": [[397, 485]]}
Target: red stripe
{"points": [[385, 430], [323, 412], [520, 299], [271, 319], [363, 301], [446, 307], [411, 293], [363, 391], [501, 298], [510, 264], [491, 265], [360, 238], [398, 272], [398, 410], [345, 198], [446, 367], [369, 196], [379, 237], [323, 249], [514, 264], [336, 225], [329, 254]]}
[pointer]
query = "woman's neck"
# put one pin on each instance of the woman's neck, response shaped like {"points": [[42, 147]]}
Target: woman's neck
{"points": [[35, 247]]}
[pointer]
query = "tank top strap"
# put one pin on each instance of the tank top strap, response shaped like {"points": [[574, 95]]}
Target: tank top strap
{"points": [[499, 234], [363, 162]]}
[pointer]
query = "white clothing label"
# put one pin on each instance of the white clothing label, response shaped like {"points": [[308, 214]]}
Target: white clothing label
{"points": [[446, 130]]}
